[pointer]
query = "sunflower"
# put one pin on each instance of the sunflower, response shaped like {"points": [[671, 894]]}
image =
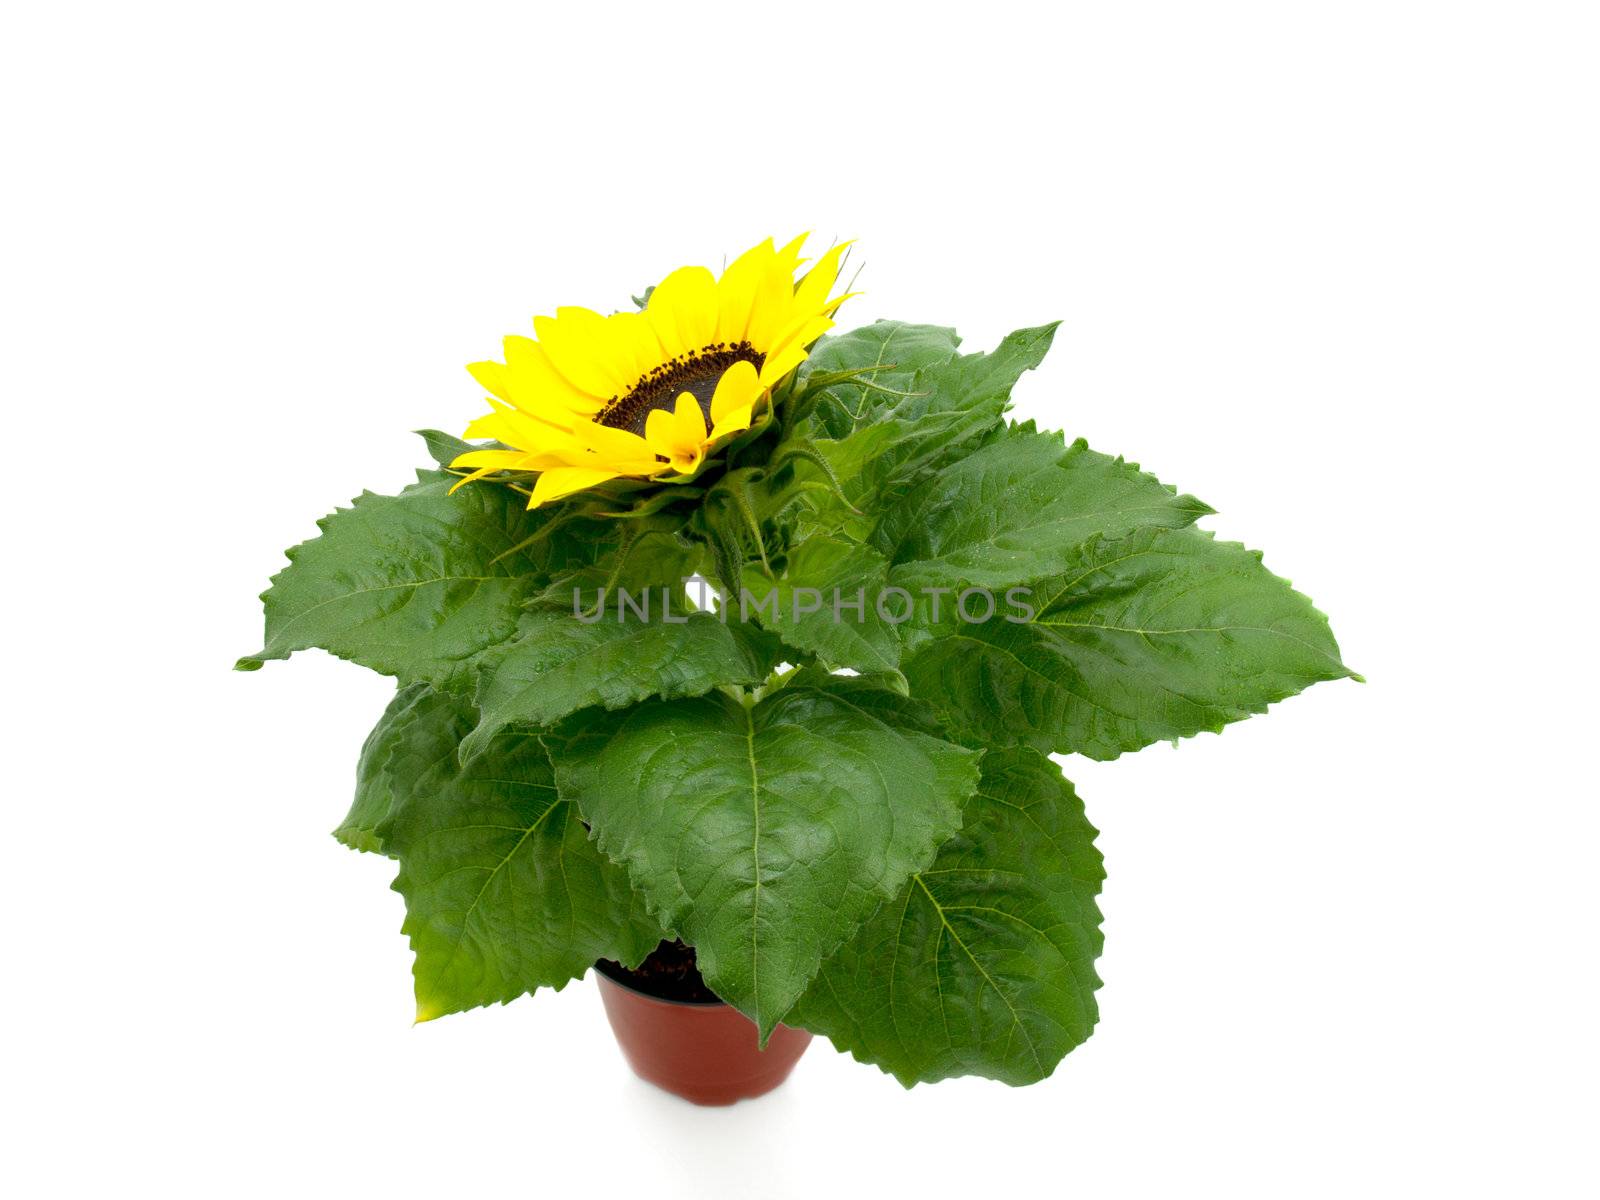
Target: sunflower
{"points": [[649, 394]]}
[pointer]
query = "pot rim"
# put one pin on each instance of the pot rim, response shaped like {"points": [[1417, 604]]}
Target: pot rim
{"points": [[609, 974]]}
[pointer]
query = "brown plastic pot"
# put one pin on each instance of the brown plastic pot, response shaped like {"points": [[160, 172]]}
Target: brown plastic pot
{"points": [[705, 1052]]}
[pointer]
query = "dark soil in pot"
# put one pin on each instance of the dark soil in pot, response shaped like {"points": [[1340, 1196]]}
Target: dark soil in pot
{"points": [[668, 973]]}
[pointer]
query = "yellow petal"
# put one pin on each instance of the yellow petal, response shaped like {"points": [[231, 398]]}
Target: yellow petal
{"points": [[635, 344], [736, 291], [789, 256], [493, 460], [683, 310], [514, 428], [811, 297], [585, 444], [472, 478], [563, 481], [802, 331], [658, 431], [732, 422], [576, 342], [516, 460], [832, 306], [774, 303], [538, 388], [491, 376], [617, 448], [780, 364], [738, 388], [487, 426], [487, 462], [678, 436]]}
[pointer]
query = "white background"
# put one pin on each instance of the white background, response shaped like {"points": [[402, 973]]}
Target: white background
{"points": [[1331, 267]]}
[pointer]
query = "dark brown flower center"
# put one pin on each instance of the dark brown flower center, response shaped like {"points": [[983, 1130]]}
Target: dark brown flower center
{"points": [[695, 373]]}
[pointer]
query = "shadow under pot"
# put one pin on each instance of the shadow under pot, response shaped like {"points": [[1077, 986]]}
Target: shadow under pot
{"points": [[676, 1034]]}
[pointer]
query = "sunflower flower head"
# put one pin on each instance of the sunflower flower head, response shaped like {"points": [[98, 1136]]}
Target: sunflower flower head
{"points": [[648, 395]]}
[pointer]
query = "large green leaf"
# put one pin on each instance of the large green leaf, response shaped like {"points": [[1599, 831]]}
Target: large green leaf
{"points": [[559, 664], [824, 602], [984, 964], [1153, 636], [1012, 511], [504, 891], [950, 407], [375, 782], [651, 554], [420, 584], [763, 832], [888, 354], [615, 632], [445, 448], [980, 382]]}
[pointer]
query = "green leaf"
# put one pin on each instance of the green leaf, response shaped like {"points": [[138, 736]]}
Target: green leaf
{"points": [[984, 964], [375, 581], [420, 584], [651, 555], [890, 353], [953, 405], [830, 575], [445, 448], [1154, 636], [763, 832], [504, 891], [1013, 510], [375, 784], [559, 664]]}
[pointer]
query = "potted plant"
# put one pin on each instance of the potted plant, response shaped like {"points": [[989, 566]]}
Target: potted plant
{"points": [[730, 651]]}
